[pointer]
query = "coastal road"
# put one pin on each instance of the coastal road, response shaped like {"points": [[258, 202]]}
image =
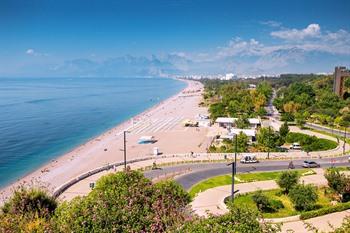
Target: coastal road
{"points": [[328, 130], [202, 171]]}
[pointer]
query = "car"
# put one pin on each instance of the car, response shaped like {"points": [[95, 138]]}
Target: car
{"points": [[249, 159], [295, 146], [310, 164]]}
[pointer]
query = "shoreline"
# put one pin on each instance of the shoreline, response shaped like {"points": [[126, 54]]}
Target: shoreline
{"points": [[38, 177]]}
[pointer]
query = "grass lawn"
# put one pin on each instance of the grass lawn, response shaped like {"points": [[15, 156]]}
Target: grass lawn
{"points": [[328, 134], [288, 210], [343, 168], [240, 178]]}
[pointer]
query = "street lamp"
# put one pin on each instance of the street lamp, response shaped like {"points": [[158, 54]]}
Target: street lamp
{"points": [[344, 140], [268, 146], [124, 150], [234, 164]]}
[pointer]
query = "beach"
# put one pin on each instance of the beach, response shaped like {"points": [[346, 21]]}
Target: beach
{"points": [[163, 121]]}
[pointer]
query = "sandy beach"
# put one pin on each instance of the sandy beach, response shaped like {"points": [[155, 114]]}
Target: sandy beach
{"points": [[163, 121]]}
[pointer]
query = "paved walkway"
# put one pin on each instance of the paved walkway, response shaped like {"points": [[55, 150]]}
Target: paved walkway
{"points": [[212, 201]]}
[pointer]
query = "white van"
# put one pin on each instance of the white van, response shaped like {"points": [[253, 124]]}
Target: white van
{"points": [[249, 159], [295, 146]]}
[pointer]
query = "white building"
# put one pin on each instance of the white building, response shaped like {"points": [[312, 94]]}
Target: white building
{"points": [[229, 122]]}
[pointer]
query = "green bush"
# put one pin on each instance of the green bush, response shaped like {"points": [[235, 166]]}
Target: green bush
{"points": [[28, 210], [303, 197], [265, 204], [311, 143], [239, 219], [336, 180], [326, 210], [30, 200], [287, 180], [125, 202], [277, 204]]}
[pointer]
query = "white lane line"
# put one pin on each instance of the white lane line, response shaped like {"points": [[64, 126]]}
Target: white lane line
{"points": [[164, 124], [173, 124]]}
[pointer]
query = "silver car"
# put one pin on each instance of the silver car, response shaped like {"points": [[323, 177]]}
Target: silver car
{"points": [[310, 164]]}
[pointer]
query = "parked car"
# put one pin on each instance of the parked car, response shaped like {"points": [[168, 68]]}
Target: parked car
{"points": [[295, 146], [281, 149], [310, 164], [249, 159]]}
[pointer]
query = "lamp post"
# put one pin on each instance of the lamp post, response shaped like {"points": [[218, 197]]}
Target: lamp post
{"points": [[268, 146], [344, 140], [124, 149], [234, 164]]}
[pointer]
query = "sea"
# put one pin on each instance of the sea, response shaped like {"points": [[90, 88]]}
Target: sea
{"points": [[43, 118]]}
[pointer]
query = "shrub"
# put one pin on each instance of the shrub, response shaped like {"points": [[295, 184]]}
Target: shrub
{"points": [[339, 182], [276, 204], [30, 200], [324, 211], [336, 180], [287, 180], [28, 210], [311, 143], [125, 202], [262, 201], [265, 204], [239, 219], [303, 197]]}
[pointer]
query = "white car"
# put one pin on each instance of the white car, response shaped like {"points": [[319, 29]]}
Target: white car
{"points": [[249, 159], [295, 146]]}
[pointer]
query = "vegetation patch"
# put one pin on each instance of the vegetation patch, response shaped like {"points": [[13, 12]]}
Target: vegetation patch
{"points": [[240, 178], [311, 143], [326, 210], [278, 196]]}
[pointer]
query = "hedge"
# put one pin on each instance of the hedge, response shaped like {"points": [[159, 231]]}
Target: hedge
{"points": [[326, 210], [310, 143]]}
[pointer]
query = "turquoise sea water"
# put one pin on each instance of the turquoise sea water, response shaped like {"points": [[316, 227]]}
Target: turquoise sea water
{"points": [[42, 118]]}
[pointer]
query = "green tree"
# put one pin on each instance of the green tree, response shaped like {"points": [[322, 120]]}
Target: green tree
{"points": [[284, 130], [217, 110], [125, 202], [265, 89], [268, 139], [336, 180], [304, 197], [242, 123], [287, 180], [300, 119], [242, 143]]}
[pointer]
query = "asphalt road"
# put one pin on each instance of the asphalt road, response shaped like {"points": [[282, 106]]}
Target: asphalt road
{"points": [[334, 131], [202, 171]]}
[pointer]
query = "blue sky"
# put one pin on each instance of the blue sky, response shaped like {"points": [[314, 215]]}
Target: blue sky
{"points": [[122, 38]]}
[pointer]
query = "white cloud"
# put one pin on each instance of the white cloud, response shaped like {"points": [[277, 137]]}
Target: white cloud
{"points": [[313, 30], [271, 23], [30, 52]]}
